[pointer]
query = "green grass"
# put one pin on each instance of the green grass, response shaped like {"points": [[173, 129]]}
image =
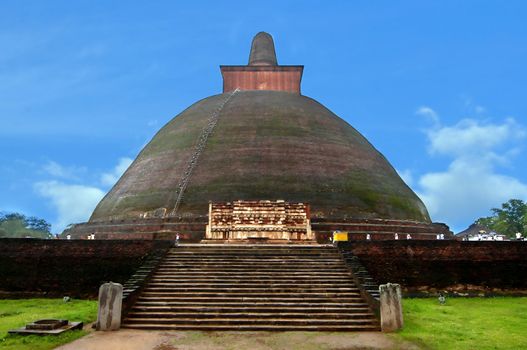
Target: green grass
{"points": [[17, 313], [461, 324], [466, 323]]}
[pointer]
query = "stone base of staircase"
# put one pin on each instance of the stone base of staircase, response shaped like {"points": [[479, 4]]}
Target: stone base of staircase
{"points": [[259, 241], [252, 287]]}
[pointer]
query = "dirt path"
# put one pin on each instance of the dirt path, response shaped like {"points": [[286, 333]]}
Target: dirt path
{"points": [[189, 340]]}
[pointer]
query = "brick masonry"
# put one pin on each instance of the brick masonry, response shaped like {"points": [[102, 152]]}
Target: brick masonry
{"points": [[34, 267], [78, 267], [427, 266], [277, 78]]}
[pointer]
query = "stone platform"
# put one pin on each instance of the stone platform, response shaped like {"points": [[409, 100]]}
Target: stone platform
{"points": [[194, 229], [55, 331], [378, 229]]}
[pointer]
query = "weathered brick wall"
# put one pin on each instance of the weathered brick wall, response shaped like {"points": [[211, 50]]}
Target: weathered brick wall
{"points": [[379, 229], [452, 265], [153, 228], [68, 267]]}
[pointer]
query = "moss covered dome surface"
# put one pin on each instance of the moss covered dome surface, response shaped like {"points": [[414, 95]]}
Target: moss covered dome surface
{"points": [[266, 145]]}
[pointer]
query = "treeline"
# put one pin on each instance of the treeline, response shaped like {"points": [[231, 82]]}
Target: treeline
{"points": [[510, 219], [16, 225]]}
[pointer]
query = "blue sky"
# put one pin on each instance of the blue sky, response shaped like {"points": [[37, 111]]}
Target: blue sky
{"points": [[439, 87]]}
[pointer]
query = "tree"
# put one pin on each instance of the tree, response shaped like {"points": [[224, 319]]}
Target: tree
{"points": [[509, 219], [37, 224], [16, 225]]}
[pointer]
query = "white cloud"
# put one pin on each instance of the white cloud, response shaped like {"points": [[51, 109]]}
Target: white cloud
{"points": [[74, 203], [472, 183], [109, 179], [470, 137], [429, 114], [466, 191], [57, 170]]}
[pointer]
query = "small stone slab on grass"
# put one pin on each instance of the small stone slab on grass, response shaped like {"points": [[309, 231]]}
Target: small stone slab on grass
{"points": [[57, 331]]}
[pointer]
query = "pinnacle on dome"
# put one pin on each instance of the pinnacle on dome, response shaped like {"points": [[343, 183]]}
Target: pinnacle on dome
{"points": [[263, 71], [262, 51]]}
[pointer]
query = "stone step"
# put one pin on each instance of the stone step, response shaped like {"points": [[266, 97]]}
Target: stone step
{"points": [[251, 274], [259, 327], [253, 321], [248, 285], [254, 260], [321, 269], [312, 308], [259, 246], [248, 294], [250, 255], [253, 254], [272, 272], [257, 249], [253, 251], [251, 261], [253, 299], [286, 314], [251, 290], [302, 284], [249, 279], [253, 257], [257, 303], [263, 264], [285, 268], [297, 248], [281, 262]]}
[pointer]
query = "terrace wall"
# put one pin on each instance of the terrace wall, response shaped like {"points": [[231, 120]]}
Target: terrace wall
{"points": [[55, 268], [427, 266]]}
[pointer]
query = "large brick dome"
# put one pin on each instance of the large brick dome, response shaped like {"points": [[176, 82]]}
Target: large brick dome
{"points": [[265, 145]]}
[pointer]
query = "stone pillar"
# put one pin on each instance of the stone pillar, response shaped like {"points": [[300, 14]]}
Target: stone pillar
{"points": [[110, 306], [391, 307], [208, 228]]}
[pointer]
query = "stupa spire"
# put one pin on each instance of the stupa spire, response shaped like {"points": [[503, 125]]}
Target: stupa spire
{"points": [[263, 71], [262, 51]]}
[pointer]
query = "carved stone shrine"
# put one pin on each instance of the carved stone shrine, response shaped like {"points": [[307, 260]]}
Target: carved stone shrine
{"points": [[259, 220]]}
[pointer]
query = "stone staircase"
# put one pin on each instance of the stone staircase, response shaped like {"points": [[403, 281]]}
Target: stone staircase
{"points": [[252, 287]]}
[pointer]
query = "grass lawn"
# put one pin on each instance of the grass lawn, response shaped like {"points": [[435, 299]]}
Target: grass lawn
{"points": [[471, 323], [17, 313], [466, 323]]}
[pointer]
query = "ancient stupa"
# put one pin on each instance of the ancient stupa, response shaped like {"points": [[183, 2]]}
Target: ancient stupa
{"points": [[261, 139]]}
